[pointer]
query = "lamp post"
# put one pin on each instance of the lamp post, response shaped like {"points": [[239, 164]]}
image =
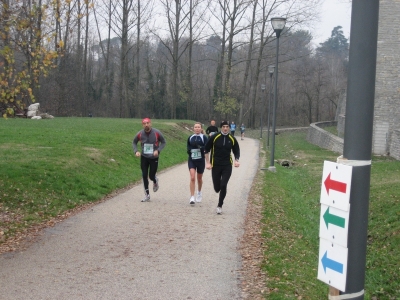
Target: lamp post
{"points": [[271, 70], [277, 24], [262, 109]]}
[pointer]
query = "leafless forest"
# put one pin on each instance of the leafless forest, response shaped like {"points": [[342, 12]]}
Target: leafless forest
{"points": [[165, 59]]}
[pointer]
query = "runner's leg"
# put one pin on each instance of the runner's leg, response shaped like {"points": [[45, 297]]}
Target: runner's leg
{"points": [[192, 181], [225, 175], [153, 169], [216, 178], [199, 181], [201, 165], [144, 165]]}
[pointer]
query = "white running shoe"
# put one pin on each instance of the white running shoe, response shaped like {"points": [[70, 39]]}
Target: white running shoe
{"points": [[219, 210], [155, 185], [146, 198], [191, 201], [199, 197]]}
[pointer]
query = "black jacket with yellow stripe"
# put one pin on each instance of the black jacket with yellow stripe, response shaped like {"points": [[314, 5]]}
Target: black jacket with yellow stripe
{"points": [[220, 146]]}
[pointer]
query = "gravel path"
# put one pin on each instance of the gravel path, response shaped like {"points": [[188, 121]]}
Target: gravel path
{"points": [[125, 249]]}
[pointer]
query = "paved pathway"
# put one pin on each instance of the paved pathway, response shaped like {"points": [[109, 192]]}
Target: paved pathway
{"points": [[125, 249]]}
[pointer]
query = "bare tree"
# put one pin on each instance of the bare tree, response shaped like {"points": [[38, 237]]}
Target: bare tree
{"points": [[177, 18], [244, 90], [142, 15]]}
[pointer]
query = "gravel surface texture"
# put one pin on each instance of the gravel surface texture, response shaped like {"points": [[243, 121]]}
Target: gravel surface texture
{"points": [[125, 249]]}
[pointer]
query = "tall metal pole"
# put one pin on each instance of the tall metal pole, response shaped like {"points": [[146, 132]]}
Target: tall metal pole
{"points": [[262, 109], [269, 106], [357, 149], [271, 164]]}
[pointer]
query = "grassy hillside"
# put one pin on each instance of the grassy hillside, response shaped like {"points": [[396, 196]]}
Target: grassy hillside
{"points": [[48, 167]]}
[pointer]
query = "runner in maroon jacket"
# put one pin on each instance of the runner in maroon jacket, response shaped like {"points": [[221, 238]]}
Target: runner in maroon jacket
{"points": [[152, 142]]}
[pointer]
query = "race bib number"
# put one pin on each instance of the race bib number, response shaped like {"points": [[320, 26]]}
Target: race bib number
{"points": [[195, 154], [148, 149], [212, 133]]}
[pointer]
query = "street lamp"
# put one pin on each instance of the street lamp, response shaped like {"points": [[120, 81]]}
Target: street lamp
{"points": [[262, 109], [271, 70], [277, 24]]}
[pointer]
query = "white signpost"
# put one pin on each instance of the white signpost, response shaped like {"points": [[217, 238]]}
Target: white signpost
{"points": [[332, 264], [334, 224], [336, 184]]}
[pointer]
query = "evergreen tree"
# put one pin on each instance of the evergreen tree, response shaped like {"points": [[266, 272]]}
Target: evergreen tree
{"points": [[336, 44]]}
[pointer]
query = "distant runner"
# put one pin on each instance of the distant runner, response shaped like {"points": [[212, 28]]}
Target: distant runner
{"points": [[242, 129], [212, 129], [233, 128]]}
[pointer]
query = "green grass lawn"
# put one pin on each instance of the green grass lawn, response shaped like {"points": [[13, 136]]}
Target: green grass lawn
{"points": [[50, 166], [291, 218]]}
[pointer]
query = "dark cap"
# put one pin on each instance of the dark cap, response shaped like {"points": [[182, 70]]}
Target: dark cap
{"points": [[224, 123]]}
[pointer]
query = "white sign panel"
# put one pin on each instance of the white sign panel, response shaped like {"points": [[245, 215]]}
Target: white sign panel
{"points": [[336, 184], [332, 264], [334, 225]]}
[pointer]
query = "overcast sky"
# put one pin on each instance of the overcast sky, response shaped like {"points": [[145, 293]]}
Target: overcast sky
{"points": [[333, 13]]}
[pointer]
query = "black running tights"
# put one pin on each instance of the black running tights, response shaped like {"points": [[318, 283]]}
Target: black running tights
{"points": [[145, 163], [220, 177]]}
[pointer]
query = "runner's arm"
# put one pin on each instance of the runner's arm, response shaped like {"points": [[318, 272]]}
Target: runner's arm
{"points": [[163, 142], [135, 142]]}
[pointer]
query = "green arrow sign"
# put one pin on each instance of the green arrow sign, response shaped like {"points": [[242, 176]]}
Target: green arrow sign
{"points": [[332, 219]]}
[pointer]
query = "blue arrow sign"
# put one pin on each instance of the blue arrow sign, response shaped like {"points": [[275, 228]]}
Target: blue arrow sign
{"points": [[331, 264]]}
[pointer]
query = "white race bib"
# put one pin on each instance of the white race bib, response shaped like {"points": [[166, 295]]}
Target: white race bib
{"points": [[148, 149], [195, 154]]}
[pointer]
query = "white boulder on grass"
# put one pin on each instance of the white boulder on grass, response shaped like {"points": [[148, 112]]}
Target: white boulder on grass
{"points": [[34, 107], [31, 113]]}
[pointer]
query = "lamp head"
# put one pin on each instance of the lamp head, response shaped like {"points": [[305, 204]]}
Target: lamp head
{"points": [[278, 24], [271, 69]]}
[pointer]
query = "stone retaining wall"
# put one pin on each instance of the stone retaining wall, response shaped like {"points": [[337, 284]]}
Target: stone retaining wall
{"points": [[318, 136], [395, 147]]}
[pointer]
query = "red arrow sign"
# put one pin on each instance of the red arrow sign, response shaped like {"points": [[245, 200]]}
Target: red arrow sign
{"points": [[334, 185]]}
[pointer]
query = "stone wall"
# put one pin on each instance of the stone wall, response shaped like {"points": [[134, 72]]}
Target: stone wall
{"points": [[395, 146], [318, 136], [385, 139], [387, 88]]}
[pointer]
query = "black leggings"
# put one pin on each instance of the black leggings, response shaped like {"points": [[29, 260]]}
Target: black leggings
{"points": [[220, 177], [144, 164]]}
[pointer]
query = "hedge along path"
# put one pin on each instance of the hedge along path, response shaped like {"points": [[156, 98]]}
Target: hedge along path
{"points": [[125, 249]]}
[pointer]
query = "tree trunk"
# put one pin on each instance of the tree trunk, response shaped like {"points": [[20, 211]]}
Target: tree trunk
{"points": [[244, 91], [135, 102], [189, 104]]}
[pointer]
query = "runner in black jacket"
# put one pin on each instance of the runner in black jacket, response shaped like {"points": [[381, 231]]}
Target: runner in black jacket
{"points": [[221, 145]]}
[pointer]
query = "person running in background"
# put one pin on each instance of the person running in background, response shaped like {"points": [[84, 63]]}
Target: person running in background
{"points": [[212, 129], [196, 161], [152, 142], [220, 161], [242, 129], [233, 128]]}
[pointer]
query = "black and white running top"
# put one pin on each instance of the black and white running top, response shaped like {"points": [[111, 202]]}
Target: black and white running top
{"points": [[195, 146]]}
